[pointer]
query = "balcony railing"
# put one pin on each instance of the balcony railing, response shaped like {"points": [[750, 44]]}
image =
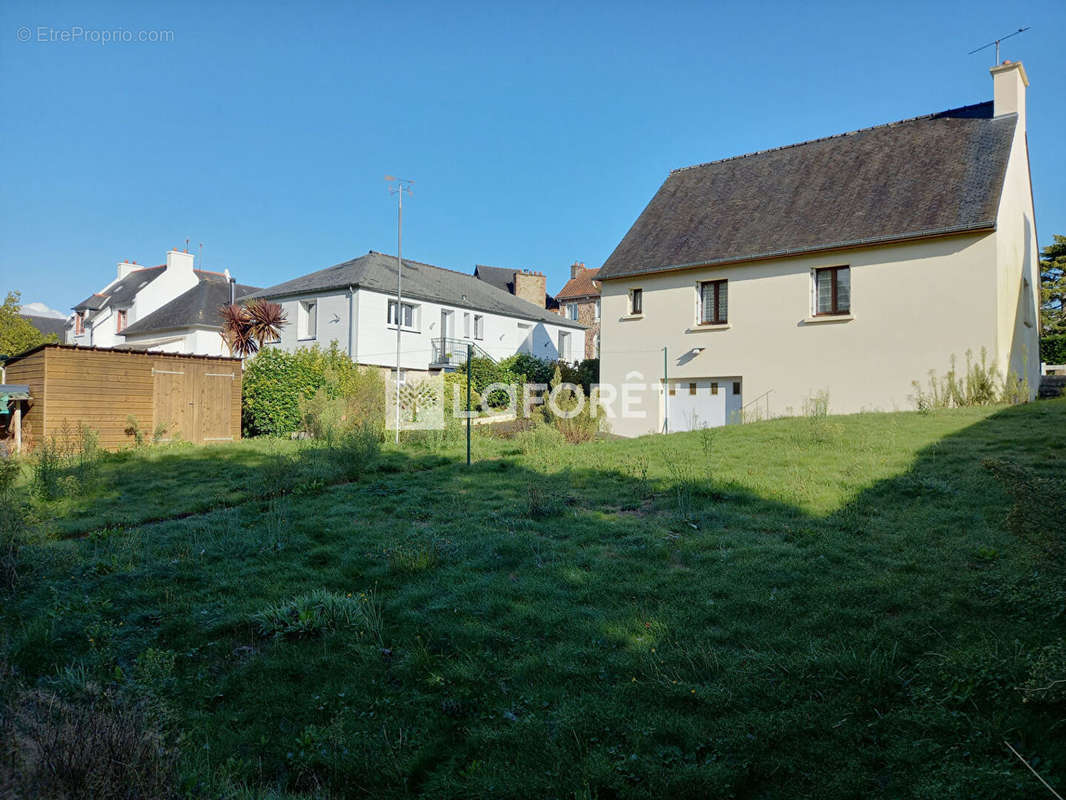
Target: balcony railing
{"points": [[453, 352]]}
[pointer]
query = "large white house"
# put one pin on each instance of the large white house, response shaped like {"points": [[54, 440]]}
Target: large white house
{"points": [[442, 313], [849, 266], [172, 308]]}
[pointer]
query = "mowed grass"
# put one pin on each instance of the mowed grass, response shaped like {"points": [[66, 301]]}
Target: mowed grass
{"points": [[825, 607]]}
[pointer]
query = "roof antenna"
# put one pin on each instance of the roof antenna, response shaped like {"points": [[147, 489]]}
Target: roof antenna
{"points": [[996, 43]]}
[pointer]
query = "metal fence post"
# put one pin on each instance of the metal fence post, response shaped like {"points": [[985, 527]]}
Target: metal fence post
{"points": [[469, 355]]}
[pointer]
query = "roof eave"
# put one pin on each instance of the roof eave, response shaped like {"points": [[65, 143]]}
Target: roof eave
{"points": [[958, 230]]}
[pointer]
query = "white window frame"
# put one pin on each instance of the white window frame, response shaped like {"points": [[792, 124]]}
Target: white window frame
{"points": [[479, 327], [571, 311], [307, 320], [564, 346], [596, 312], [409, 315], [466, 325], [633, 310]]}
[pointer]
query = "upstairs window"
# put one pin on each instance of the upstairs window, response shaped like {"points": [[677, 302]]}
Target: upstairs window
{"points": [[596, 312], [714, 302], [120, 320], [636, 301], [307, 319], [571, 311], [408, 314], [79, 323], [832, 291]]}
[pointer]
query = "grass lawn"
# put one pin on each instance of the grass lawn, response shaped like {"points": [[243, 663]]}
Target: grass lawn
{"points": [[824, 608]]}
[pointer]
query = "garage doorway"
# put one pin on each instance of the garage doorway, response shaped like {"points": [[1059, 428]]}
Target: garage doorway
{"points": [[694, 403]]}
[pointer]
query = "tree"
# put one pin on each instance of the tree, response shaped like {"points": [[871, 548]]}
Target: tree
{"points": [[17, 335], [245, 329], [1053, 287]]}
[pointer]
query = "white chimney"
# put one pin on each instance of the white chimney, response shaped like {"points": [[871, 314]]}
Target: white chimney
{"points": [[125, 268], [179, 263], [1008, 90]]}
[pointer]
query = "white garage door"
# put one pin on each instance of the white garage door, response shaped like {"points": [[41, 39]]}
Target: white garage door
{"points": [[695, 403]]}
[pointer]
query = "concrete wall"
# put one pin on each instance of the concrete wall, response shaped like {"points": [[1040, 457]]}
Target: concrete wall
{"points": [[913, 306]]}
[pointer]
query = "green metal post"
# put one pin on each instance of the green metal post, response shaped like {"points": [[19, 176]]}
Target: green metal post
{"points": [[666, 396], [469, 355]]}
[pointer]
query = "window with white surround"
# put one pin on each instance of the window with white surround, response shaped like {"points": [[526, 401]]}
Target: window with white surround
{"points": [[714, 302], [596, 312], [466, 325], [79, 323], [564, 346], [596, 344], [120, 320], [408, 315], [479, 326], [571, 311], [636, 301], [307, 319], [832, 291]]}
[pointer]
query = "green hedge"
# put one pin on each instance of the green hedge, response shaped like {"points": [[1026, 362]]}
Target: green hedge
{"points": [[274, 382], [1053, 349]]}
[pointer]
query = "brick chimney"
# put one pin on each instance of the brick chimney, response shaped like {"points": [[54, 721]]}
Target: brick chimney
{"points": [[576, 269], [530, 286]]}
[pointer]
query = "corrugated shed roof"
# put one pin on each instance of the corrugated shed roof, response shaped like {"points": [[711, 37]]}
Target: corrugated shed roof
{"points": [[931, 175], [377, 271]]}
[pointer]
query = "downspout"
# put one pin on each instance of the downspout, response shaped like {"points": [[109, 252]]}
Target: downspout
{"points": [[351, 323]]}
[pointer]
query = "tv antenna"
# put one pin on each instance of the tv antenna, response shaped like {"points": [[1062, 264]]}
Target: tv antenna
{"points": [[996, 43]]}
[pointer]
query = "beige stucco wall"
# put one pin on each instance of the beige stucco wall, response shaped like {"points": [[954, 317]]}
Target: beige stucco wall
{"points": [[1017, 284], [913, 306]]}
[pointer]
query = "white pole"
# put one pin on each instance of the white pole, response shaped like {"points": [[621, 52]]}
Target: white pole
{"points": [[399, 302]]}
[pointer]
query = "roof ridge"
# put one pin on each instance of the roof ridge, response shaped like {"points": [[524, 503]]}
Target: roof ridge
{"points": [[918, 118], [407, 261]]}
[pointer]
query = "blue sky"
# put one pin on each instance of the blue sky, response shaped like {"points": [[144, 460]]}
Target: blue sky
{"points": [[535, 132]]}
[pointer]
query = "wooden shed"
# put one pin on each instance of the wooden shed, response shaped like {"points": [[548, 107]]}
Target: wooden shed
{"points": [[194, 398]]}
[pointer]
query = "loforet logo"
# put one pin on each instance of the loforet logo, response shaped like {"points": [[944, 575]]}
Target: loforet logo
{"points": [[421, 402]]}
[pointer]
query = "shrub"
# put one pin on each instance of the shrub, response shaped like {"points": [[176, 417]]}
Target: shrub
{"points": [[484, 372], [66, 463], [533, 369], [275, 381], [9, 472], [99, 746], [578, 421], [1053, 349]]}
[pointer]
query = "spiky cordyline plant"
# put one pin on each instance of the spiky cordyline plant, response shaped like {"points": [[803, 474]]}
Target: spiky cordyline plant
{"points": [[245, 329]]}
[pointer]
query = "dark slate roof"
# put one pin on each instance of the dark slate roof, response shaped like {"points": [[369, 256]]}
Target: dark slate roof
{"points": [[931, 175], [122, 293], [377, 271], [503, 278], [196, 308], [47, 325]]}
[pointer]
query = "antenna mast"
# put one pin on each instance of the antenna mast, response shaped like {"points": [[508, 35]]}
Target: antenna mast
{"points": [[996, 43]]}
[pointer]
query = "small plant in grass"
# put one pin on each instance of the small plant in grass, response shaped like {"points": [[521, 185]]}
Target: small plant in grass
{"points": [[413, 559], [979, 384], [48, 469], [542, 500], [135, 431], [320, 611]]}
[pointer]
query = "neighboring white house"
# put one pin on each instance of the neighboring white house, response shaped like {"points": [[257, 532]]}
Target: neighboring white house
{"points": [[851, 265], [443, 311], [171, 308]]}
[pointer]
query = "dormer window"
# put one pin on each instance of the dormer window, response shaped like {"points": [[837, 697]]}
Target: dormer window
{"points": [[79, 323], [120, 320]]}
